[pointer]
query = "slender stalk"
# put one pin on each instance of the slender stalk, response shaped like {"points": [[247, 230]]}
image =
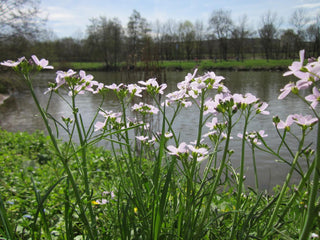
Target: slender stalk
{"points": [[255, 166], [241, 176], [62, 158], [285, 185], [314, 191], [84, 166]]}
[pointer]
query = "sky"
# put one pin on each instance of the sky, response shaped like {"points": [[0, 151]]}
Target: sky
{"points": [[70, 18]]}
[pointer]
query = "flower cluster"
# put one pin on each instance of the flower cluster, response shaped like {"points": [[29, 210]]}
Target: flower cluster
{"points": [[188, 150], [308, 75], [25, 66], [253, 137], [302, 121]]}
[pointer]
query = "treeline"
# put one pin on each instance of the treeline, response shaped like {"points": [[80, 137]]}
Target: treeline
{"points": [[140, 41]]}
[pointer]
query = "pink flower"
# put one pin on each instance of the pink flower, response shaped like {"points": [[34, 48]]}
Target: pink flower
{"points": [[314, 98], [136, 90], [145, 108], [304, 121], [286, 90], [211, 125], [296, 67], [43, 63], [114, 86], [182, 148], [261, 107], [199, 152], [286, 124], [10, 63], [142, 138]]}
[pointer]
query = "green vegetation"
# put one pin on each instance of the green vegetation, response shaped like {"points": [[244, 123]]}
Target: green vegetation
{"points": [[28, 162], [174, 65]]}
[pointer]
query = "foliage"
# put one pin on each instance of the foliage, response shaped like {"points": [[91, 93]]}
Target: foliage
{"points": [[151, 184]]}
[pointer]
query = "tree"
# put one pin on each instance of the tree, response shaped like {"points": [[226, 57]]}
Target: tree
{"points": [[187, 37], [137, 31], [289, 40], [299, 21], [199, 38], [105, 39], [268, 32], [239, 34], [20, 18], [221, 24], [313, 33]]}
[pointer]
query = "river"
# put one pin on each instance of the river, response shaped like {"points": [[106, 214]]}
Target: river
{"points": [[20, 114]]}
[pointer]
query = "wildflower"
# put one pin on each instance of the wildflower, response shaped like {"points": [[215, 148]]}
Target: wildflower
{"points": [[153, 86], [286, 90], [61, 77], [211, 125], [43, 63], [314, 98], [304, 121], [145, 108], [102, 201], [115, 87], [182, 148], [142, 138], [135, 90], [284, 125], [199, 152], [109, 116], [10, 63], [86, 83], [261, 108], [28, 216], [296, 67]]}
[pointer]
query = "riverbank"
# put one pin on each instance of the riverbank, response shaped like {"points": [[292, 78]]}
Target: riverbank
{"points": [[175, 65]]}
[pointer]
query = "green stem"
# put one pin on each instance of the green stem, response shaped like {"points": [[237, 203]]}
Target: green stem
{"points": [[241, 176], [312, 197], [220, 170], [84, 166], [62, 158], [285, 185]]}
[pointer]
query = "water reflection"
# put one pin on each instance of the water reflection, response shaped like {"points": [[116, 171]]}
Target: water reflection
{"points": [[20, 114]]}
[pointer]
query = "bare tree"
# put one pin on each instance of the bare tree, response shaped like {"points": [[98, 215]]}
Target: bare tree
{"points": [[268, 32], [221, 24], [187, 37], [137, 31], [105, 39], [313, 33], [240, 33], [20, 18], [199, 38]]}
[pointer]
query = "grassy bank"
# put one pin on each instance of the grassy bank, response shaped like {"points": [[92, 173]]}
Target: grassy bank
{"points": [[29, 168], [246, 65]]}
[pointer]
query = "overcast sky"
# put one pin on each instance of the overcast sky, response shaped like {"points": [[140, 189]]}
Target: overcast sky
{"points": [[69, 18]]}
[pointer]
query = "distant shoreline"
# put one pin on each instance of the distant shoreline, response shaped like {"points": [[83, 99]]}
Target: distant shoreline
{"points": [[175, 65]]}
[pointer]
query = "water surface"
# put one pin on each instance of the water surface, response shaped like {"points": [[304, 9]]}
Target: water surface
{"points": [[20, 114]]}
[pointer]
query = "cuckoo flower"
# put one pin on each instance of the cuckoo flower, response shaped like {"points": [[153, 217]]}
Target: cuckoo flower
{"points": [[304, 121], [181, 149], [296, 67], [145, 108], [286, 90], [43, 63], [10, 63], [314, 98], [284, 125]]}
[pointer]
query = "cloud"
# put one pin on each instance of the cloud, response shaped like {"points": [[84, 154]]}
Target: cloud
{"points": [[308, 5]]}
